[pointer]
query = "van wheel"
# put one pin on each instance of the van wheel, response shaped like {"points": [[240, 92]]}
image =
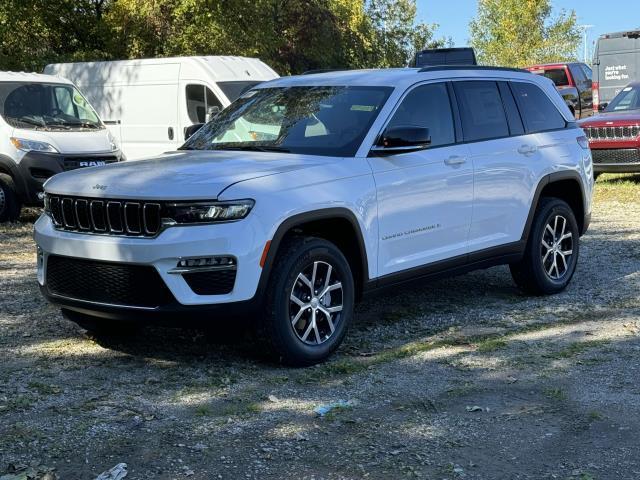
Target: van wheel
{"points": [[101, 327], [551, 254], [309, 301], [9, 203]]}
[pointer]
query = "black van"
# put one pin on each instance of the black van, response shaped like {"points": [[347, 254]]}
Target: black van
{"points": [[445, 56], [616, 63]]}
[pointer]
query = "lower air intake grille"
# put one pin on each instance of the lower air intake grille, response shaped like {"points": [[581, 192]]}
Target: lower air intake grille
{"points": [[616, 156], [219, 282], [110, 283]]}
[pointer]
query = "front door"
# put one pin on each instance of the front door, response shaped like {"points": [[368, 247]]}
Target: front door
{"points": [[424, 197]]}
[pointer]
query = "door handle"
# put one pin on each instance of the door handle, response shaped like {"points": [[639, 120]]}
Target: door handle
{"points": [[455, 160], [170, 133], [527, 149]]}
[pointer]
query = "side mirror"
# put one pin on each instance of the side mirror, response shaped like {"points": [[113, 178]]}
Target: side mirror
{"points": [[602, 106], [212, 112], [402, 139], [190, 130]]}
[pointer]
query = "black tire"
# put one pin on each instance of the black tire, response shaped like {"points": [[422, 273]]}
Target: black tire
{"points": [[284, 339], [9, 203], [532, 273], [100, 326]]}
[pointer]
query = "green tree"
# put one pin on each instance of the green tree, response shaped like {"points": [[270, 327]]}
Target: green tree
{"points": [[36, 32], [397, 35], [523, 32]]}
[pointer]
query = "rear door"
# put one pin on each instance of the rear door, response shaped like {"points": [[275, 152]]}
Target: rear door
{"points": [[502, 159]]}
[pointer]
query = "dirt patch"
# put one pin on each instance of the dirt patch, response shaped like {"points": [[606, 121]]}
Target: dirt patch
{"points": [[463, 378]]}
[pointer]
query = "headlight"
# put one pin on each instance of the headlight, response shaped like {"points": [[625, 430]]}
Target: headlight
{"points": [[32, 145], [112, 141], [207, 212]]}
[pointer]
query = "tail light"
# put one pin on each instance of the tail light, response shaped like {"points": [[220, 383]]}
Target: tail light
{"points": [[596, 96]]}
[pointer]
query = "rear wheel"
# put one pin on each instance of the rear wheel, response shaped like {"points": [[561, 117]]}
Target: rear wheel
{"points": [[551, 254], [309, 301], [9, 203], [101, 326]]}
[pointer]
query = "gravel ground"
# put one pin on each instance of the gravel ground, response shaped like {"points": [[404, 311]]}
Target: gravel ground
{"points": [[463, 378]]}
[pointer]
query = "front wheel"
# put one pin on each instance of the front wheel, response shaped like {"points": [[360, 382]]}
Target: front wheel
{"points": [[9, 202], [551, 254], [309, 301]]}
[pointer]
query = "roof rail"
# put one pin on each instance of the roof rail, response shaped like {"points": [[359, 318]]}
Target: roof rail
{"points": [[436, 68], [324, 70]]}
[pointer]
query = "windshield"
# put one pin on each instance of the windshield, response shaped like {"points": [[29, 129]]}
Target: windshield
{"points": [[627, 99], [43, 106], [232, 90], [323, 120], [557, 75]]}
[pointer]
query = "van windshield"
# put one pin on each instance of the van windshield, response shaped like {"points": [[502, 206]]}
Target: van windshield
{"points": [[319, 120], [232, 90], [46, 106]]}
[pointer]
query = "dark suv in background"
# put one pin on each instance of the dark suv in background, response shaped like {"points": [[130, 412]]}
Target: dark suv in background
{"points": [[573, 81]]}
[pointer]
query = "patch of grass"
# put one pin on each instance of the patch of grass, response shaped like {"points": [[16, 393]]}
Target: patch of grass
{"points": [[18, 403], [555, 394], [462, 390], [594, 415], [623, 188], [577, 348], [490, 345], [45, 389], [203, 411]]}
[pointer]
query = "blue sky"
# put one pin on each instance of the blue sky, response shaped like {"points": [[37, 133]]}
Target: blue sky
{"points": [[453, 16]]}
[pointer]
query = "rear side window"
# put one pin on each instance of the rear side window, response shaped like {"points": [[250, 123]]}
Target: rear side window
{"points": [[538, 111], [427, 106], [556, 75], [481, 110]]}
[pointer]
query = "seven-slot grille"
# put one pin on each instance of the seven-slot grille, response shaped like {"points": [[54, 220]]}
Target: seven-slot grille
{"points": [[612, 133], [615, 156], [105, 216]]}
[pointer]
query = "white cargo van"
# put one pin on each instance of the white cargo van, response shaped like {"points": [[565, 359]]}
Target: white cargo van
{"points": [[46, 127], [148, 103]]}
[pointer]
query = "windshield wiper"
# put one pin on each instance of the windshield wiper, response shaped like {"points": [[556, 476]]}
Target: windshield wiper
{"points": [[82, 124], [28, 121], [254, 148]]}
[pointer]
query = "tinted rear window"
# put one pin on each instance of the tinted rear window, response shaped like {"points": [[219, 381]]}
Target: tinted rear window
{"points": [[557, 75], [481, 110], [538, 111]]}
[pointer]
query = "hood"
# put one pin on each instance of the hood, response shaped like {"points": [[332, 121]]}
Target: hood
{"points": [[181, 175], [609, 119], [66, 141]]}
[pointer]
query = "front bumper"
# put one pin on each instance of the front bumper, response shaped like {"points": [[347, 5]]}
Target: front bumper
{"points": [[240, 240], [35, 168], [616, 160]]}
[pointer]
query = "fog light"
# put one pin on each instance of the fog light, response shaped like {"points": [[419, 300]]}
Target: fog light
{"points": [[206, 262]]}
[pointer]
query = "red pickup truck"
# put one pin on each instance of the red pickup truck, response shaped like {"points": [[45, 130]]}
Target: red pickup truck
{"points": [[614, 134], [573, 81]]}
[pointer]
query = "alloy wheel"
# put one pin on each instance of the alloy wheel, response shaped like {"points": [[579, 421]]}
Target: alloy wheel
{"points": [[316, 302], [557, 247]]}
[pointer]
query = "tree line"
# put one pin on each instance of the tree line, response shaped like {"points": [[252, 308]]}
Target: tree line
{"points": [[292, 36]]}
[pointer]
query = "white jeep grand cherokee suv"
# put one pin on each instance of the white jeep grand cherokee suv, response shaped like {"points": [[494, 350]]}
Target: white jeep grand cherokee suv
{"points": [[310, 191]]}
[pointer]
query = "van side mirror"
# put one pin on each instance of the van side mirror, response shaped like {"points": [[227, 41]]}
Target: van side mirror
{"points": [[602, 106], [212, 112], [191, 129], [402, 139]]}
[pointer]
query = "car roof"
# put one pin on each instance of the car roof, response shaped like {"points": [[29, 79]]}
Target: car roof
{"points": [[27, 77], [396, 77]]}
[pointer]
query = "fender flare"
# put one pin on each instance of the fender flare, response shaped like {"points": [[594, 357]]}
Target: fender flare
{"points": [[305, 217], [547, 180]]}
